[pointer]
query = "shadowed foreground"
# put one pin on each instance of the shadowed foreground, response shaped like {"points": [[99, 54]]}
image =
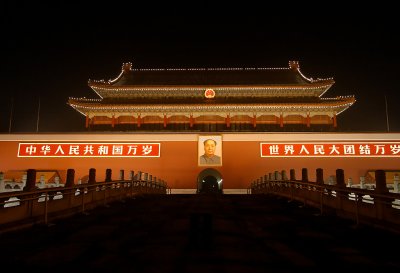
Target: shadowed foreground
{"points": [[201, 233]]}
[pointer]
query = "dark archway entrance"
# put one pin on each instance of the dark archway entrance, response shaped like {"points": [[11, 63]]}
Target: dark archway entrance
{"points": [[209, 181]]}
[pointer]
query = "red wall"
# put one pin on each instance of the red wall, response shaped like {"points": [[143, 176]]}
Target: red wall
{"points": [[177, 164]]}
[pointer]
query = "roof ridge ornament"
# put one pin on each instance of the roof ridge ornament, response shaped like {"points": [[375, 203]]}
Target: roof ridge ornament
{"points": [[126, 67], [294, 65]]}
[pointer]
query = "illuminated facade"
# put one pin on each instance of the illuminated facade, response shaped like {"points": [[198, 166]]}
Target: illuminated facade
{"points": [[212, 99], [174, 157]]}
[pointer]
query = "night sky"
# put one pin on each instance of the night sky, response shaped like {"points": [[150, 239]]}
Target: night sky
{"points": [[50, 51]]}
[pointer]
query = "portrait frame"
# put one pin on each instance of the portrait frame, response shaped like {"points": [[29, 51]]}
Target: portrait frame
{"points": [[201, 150]]}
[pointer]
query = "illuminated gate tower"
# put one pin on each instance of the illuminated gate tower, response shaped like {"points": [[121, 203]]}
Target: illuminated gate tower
{"points": [[212, 99]]}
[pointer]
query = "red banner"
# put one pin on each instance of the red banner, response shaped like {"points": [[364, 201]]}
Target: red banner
{"points": [[351, 149], [89, 150]]}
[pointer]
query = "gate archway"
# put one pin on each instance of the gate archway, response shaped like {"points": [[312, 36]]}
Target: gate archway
{"points": [[209, 181]]}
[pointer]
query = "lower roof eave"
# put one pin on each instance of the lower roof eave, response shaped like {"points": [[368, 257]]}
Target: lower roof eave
{"points": [[276, 112]]}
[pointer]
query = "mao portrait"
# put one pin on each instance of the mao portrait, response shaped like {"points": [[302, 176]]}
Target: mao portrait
{"points": [[210, 150]]}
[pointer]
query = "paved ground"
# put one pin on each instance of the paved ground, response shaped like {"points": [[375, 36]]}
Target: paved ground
{"points": [[200, 233]]}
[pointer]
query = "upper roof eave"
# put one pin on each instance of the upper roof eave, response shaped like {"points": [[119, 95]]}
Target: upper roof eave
{"points": [[316, 84]]}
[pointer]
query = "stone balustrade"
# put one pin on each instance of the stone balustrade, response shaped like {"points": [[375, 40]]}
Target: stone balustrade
{"points": [[377, 204], [35, 204]]}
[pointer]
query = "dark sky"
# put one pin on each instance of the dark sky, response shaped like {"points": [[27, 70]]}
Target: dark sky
{"points": [[49, 51]]}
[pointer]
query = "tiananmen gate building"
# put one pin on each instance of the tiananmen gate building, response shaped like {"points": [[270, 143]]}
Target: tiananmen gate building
{"points": [[211, 99], [185, 126]]}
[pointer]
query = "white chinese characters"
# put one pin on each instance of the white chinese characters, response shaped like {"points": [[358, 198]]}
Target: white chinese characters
{"points": [[89, 150], [330, 149]]}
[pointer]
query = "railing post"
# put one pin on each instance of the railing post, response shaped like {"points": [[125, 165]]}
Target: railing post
{"points": [[30, 186], [271, 183], [356, 199], [380, 188], [276, 175], [23, 179], [320, 183], [150, 182], [92, 180], [146, 176], [46, 196], [340, 184], [30, 180], [57, 181], [340, 178], [42, 182], [320, 176], [110, 187], [349, 182], [83, 200], [396, 182], [265, 184], [160, 184], [2, 184], [304, 178], [304, 175], [332, 180], [380, 178], [381, 203], [120, 186], [70, 182], [131, 178], [139, 181], [283, 175], [108, 175], [362, 182], [155, 185], [292, 175], [92, 176]]}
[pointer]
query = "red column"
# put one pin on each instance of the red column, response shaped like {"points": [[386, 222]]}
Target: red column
{"points": [[138, 121], [113, 121], [308, 120], [87, 121], [228, 121], [191, 121], [281, 120], [334, 121], [254, 121], [165, 121]]}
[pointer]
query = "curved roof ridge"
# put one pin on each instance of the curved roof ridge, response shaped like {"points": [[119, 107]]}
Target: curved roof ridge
{"points": [[209, 68], [127, 67], [207, 75], [296, 66]]}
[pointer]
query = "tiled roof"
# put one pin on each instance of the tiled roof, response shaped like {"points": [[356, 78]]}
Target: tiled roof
{"points": [[208, 76]]}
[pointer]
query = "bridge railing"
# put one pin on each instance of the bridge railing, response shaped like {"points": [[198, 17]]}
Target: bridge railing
{"points": [[39, 206], [378, 207]]}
